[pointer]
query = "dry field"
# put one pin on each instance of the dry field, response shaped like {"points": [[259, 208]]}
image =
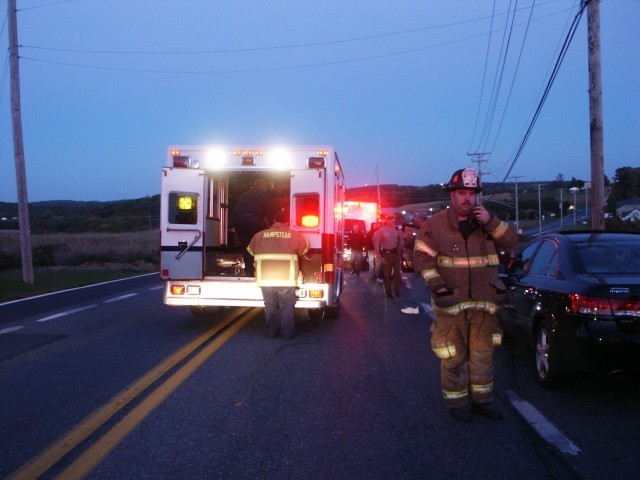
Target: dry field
{"points": [[136, 250]]}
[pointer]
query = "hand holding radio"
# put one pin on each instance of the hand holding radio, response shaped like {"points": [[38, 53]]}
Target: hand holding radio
{"points": [[481, 214]]}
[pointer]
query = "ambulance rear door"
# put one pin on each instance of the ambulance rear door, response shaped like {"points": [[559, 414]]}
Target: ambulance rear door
{"points": [[308, 203], [182, 211]]}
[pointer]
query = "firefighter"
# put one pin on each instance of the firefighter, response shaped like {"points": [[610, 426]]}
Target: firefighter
{"points": [[276, 252], [357, 243], [456, 255]]}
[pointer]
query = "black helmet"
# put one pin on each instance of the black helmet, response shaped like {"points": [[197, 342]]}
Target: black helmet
{"points": [[465, 178]]}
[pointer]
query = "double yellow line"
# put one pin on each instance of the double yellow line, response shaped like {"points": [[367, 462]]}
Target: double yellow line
{"points": [[101, 448]]}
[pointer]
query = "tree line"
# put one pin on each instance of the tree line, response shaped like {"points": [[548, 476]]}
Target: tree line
{"points": [[140, 214]]}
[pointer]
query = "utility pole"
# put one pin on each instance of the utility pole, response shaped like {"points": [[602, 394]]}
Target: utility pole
{"points": [[595, 116], [539, 211], [515, 179], [378, 187], [479, 162], [18, 147]]}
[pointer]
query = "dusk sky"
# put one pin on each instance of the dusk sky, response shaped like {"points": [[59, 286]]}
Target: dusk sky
{"points": [[405, 88]]}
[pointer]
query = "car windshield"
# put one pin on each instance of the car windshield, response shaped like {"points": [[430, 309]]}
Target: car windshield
{"points": [[610, 257]]}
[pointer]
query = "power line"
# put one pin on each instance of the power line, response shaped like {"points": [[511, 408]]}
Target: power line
{"points": [[484, 75], [556, 69], [283, 47], [239, 70], [44, 5], [497, 81], [513, 79]]}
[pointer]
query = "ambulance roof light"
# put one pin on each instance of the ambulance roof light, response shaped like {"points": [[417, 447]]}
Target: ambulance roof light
{"points": [[215, 159], [280, 158], [182, 161], [316, 162]]}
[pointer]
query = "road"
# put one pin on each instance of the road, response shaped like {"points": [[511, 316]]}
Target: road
{"points": [[107, 382], [556, 224]]}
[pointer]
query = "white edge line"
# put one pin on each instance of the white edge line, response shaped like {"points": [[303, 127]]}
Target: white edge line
{"points": [[542, 426], [121, 297], [76, 288], [67, 312], [11, 329]]}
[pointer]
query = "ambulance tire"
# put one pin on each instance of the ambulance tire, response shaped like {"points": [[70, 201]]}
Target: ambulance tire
{"points": [[315, 315], [332, 311]]}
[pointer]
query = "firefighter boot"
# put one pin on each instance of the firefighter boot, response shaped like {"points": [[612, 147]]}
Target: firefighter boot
{"points": [[487, 410], [460, 413]]}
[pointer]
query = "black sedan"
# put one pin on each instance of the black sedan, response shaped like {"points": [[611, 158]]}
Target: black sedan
{"points": [[576, 297]]}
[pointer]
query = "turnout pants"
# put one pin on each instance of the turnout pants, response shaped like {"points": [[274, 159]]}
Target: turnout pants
{"points": [[279, 309], [392, 270], [465, 343]]}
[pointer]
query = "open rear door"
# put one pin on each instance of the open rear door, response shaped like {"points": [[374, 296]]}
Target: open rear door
{"points": [[182, 209]]}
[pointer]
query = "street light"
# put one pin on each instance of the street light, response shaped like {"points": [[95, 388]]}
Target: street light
{"points": [[517, 218], [587, 186], [539, 212], [574, 191], [561, 210]]}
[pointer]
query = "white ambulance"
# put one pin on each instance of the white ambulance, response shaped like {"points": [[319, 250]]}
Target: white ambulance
{"points": [[201, 257]]}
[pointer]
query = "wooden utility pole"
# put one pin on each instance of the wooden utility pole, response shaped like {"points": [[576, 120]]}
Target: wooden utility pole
{"points": [[18, 147], [479, 162], [595, 116]]}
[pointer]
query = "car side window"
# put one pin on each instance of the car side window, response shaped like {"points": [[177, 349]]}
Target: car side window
{"points": [[544, 260], [523, 260]]}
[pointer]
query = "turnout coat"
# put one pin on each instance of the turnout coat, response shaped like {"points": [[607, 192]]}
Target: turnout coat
{"points": [[467, 265]]}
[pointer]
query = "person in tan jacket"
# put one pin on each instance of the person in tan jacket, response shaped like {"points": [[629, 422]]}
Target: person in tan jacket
{"points": [[276, 250], [456, 253]]}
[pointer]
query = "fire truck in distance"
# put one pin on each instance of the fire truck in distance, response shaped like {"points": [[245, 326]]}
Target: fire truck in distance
{"points": [[364, 214], [201, 258]]}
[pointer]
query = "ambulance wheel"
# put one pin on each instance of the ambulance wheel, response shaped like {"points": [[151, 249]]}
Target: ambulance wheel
{"points": [[332, 311], [315, 315]]}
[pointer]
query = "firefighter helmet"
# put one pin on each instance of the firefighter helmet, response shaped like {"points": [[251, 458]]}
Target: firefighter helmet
{"points": [[465, 178]]}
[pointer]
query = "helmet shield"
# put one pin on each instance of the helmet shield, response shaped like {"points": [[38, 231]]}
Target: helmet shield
{"points": [[466, 178]]}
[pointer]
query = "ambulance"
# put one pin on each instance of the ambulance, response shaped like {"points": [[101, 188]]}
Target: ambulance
{"points": [[201, 257]]}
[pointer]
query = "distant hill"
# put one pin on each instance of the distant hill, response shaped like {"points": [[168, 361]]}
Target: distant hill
{"points": [[67, 216]]}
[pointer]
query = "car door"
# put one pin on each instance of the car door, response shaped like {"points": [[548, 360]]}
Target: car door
{"points": [[528, 290]]}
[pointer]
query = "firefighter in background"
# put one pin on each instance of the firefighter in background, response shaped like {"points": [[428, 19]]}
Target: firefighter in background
{"points": [[456, 255], [374, 264], [357, 243], [276, 252], [388, 246], [252, 212]]}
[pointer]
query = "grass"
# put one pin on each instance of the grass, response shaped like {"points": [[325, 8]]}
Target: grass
{"points": [[63, 261], [13, 288]]}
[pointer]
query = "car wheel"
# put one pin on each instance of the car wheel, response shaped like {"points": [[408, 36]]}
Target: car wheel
{"points": [[548, 371]]}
